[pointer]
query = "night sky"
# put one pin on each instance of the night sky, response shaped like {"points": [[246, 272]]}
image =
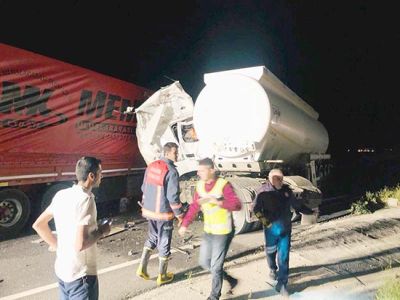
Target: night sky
{"points": [[342, 57]]}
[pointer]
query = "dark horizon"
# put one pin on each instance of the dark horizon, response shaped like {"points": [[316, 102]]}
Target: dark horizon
{"points": [[339, 57]]}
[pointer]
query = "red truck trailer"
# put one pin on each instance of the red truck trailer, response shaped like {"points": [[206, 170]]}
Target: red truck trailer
{"points": [[51, 114]]}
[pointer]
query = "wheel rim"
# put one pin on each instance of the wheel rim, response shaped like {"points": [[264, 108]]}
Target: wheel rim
{"points": [[10, 212]]}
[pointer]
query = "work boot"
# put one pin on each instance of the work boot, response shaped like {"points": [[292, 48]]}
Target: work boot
{"points": [[164, 276], [142, 269]]}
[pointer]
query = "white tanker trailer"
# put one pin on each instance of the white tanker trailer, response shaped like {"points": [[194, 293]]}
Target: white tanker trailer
{"points": [[249, 122]]}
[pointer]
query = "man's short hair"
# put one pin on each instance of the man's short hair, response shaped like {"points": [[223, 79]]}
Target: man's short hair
{"points": [[206, 162], [86, 165], [169, 146]]}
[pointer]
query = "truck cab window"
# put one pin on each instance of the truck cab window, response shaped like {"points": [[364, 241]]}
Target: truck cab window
{"points": [[189, 134]]}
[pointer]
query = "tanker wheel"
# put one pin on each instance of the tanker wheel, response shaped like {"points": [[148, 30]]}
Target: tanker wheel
{"points": [[48, 197], [15, 209], [256, 226], [239, 219]]}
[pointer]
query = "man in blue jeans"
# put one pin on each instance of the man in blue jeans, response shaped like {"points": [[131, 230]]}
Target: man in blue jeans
{"points": [[216, 199], [273, 208], [75, 215]]}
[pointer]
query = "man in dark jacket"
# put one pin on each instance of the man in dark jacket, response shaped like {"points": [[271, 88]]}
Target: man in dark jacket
{"points": [[160, 205], [273, 207]]}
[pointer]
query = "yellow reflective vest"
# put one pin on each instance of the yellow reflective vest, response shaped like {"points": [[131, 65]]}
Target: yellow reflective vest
{"points": [[217, 220]]}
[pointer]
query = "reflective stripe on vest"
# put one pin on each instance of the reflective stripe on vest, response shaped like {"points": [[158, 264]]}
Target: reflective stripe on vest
{"points": [[217, 220], [148, 214]]}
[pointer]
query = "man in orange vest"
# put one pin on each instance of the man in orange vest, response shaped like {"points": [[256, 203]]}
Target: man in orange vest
{"points": [[216, 198], [160, 205]]}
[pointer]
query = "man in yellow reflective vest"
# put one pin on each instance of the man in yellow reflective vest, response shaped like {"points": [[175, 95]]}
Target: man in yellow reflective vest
{"points": [[216, 199]]}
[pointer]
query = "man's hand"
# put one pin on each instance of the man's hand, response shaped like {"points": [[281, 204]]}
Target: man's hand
{"points": [[180, 220], [263, 220], [182, 230], [41, 226], [214, 200]]}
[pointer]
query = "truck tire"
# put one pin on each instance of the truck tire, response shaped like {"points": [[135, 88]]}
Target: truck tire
{"points": [[245, 188], [15, 208], [241, 224], [256, 226], [51, 192], [48, 197]]}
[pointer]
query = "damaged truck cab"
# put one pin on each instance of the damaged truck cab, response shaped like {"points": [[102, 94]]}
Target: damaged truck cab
{"points": [[248, 122]]}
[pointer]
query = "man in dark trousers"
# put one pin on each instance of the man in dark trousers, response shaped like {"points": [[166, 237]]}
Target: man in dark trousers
{"points": [[216, 199], [273, 208], [160, 205]]}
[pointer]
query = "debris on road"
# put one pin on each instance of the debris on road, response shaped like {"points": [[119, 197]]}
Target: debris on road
{"points": [[132, 253], [115, 230], [185, 240], [181, 250], [129, 224]]}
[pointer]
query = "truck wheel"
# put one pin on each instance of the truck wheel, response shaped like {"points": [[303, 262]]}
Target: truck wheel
{"points": [[239, 219], [50, 193], [48, 197], [256, 226], [245, 188], [15, 209]]}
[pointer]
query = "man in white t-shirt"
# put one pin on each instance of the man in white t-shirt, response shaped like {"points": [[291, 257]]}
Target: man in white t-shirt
{"points": [[75, 215]]}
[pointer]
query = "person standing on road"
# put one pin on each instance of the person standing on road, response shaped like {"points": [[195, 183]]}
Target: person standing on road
{"points": [[272, 207], [75, 215], [160, 205], [216, 199]]}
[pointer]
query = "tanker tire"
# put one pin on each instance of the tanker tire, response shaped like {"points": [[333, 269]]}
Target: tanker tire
{"points": [[255, 226], [48, 197], [239, 219], [14, 199]]}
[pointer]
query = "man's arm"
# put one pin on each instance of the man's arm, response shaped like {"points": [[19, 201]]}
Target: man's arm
{"points": [[85, 239], [194, 208], [172, 182], [41, 226], [231, 201], [258, 208]]}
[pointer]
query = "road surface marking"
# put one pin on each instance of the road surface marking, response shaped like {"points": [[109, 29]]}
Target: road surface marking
{"points": [[55, 285]]}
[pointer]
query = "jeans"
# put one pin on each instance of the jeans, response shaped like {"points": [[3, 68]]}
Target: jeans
{"points": [[213, 250], [159, 236], [277, 247], [85, 288]]}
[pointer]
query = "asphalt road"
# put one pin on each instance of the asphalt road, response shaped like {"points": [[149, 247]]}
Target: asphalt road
{"points": [[26, 265]]}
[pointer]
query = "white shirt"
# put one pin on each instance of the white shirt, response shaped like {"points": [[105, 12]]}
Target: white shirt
{"points": [[72, 207]]}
